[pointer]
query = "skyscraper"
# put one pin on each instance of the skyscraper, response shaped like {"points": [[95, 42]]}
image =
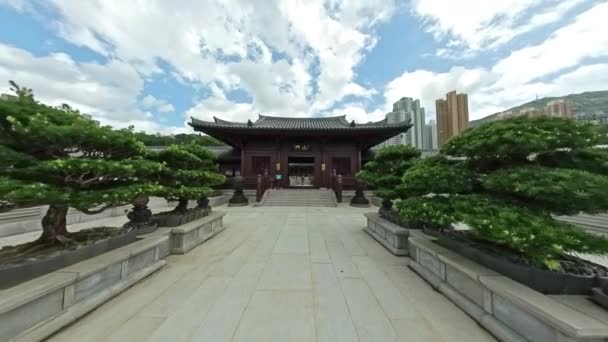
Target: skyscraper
{"points": [[430, 136], [407, 109], [452, 116], [558, 108]]}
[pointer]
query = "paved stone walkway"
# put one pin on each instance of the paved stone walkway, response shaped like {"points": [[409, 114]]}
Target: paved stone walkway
{"points": [[281, 274]]}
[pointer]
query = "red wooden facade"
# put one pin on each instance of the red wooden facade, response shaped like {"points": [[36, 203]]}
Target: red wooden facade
{"points": [[305, 152]]}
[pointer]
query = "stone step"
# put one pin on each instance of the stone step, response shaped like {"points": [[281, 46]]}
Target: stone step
{"points": [[299, 198]]}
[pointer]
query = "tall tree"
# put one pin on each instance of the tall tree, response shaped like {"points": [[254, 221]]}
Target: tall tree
{"points": [[190, 173], [57, 157], [508, 180], [384, 173]]}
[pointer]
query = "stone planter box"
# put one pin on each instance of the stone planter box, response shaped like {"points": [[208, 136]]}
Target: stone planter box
{"points": [[507, 309], [218, 200], [377, 201], [34, 310], [390, 235], [543, 281], [16, 273], [170, 219], [190, 235]]}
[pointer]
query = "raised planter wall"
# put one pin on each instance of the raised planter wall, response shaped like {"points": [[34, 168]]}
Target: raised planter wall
{"points": [[506, 308], [18, 273], [34, 310], [377, 201], [192, 234], [390, 235], [216, 201]]}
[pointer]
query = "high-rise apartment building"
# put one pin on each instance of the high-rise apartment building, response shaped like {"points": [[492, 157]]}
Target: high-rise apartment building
{"points": [[430, 136], [407, 109], [452, 116], [558, 108]]}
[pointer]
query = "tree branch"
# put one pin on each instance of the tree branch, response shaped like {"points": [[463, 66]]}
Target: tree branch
{"points": [[97, 211]]}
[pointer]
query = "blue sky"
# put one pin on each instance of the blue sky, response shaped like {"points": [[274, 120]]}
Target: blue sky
{"points": [[154, 64]]}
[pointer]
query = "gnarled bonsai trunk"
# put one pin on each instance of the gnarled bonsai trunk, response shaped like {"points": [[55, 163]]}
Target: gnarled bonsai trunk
{"points": [[182, 206], [54, 225]]}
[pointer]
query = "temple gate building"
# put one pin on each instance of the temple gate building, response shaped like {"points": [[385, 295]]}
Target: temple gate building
{"points": [[305, 152]]}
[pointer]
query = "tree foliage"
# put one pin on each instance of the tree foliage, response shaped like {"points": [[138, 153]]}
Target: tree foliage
{"points": [[384, 172], [189, 174], [177, 139], [508, 180], [56, 156]]}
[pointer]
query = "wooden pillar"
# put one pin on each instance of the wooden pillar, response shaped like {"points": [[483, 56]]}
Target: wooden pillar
{"points": [[323, 181], [243, 159]]}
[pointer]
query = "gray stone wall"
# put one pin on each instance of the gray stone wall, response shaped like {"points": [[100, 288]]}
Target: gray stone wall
{"points": [[390, 235], [36, 309], [509, 310]]}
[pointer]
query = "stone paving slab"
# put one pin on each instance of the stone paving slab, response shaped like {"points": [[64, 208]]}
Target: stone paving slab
{"points": [[281, 274]]}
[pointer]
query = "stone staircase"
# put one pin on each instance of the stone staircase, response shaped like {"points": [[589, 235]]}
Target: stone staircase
{"points": [[299, 198]]}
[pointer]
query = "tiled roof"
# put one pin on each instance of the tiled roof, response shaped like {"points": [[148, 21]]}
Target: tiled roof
{"points": [[285, 123], [224, 151]]}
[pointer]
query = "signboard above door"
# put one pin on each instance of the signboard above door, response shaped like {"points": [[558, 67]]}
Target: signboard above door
{"points": [[301, 148]]}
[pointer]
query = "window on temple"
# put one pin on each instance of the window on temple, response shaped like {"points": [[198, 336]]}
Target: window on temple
{"points": [[341, 165], [259, 164]]}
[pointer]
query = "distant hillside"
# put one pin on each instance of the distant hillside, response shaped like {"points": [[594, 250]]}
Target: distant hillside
{"points": [[591, 101]]}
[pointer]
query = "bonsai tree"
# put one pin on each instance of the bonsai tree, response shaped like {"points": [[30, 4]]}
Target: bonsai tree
{"points": [[57, 157], [189, 174], [508, 180], [384, 173]]}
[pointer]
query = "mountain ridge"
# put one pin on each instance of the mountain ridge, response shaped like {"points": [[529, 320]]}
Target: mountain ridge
{"points": [[588, 102]]}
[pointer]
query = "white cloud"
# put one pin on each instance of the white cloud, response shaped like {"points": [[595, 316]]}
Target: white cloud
{"points": [[356, 111], [289, 56], [567, 47], [151, 102], [166, 108], [555, 67], [107, 91], [298, 58], [475, 25]]}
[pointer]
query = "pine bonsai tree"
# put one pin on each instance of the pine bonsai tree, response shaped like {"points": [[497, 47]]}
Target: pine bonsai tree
{"points": [[57, 157], [190, 174], [508, 180], [384, 173]]}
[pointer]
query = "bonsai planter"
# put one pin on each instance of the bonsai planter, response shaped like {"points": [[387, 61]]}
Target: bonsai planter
{"points": [[12, 274], [393, 218], [543, 281], [390, 235], [147, 229], [171, 219], [190, 235], [34, 310], [600, 294], [509, 310]]}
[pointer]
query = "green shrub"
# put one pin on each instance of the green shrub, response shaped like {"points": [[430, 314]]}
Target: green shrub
{"points": [[508, 179], [385, 172], [190, 173], [57, 157]]}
